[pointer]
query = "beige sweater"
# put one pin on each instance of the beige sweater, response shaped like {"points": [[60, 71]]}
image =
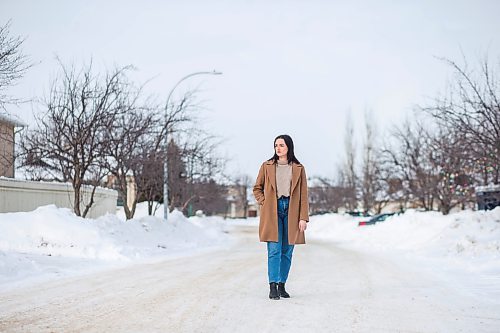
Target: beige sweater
{"points": [[283, 179]]}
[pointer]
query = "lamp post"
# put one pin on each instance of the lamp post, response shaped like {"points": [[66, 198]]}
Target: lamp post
{"points": [[165, 162]]}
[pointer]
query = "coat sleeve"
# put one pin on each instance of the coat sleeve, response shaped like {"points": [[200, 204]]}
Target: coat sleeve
{"points": [[258, 188], [304, 197]]}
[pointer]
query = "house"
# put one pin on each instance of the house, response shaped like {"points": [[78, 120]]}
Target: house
{"points": [[111, 182], [8, 127], [23, 195], [237, 203], [488, 197]]}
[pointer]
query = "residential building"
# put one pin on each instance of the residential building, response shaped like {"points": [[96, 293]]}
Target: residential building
{"points": [[8, 127]]}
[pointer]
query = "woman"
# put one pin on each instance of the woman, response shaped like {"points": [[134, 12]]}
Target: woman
{"points": [[281, 190]]}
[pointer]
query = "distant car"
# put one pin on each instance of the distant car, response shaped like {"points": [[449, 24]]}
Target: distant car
{"points": [[356, 213], [375, 219], [321, 212]]}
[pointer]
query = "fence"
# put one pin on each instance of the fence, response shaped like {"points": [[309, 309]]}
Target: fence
{"points": [[24, 196]]}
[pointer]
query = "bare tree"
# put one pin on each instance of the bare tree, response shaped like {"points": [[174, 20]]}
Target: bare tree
{"points": [[192, 170], [70, 138], [193, 166], [411, 165], [325, 196], [428, 167], [370, 169], [348, 178], [124, 139], [472, 108], [148, 176], [179, 184], [373, 187], [211, 197], [452, 163], [203, 167], [174, 120], [13, 63]]}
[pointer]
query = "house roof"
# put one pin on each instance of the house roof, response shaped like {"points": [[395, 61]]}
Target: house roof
{"points": [[488, 188], [4, 118]]}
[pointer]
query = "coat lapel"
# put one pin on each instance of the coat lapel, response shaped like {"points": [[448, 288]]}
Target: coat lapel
{"points": [[271, 172], [296, 170]]}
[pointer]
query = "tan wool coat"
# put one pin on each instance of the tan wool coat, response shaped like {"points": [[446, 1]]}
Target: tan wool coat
{"points": [[264, 191]]}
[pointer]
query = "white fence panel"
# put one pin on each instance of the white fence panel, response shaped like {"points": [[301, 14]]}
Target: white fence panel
{"points": [[24, 196]]}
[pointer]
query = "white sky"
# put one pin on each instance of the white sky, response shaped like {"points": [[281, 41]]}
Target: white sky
{"points": [[295, 67]]}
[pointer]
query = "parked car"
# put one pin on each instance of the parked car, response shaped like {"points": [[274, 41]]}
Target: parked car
{"points": [[375, 219], [356, 214], [321, 212]]}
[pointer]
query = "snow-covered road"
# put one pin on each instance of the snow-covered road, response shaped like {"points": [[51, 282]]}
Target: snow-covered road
{"points": [[333, 290]]}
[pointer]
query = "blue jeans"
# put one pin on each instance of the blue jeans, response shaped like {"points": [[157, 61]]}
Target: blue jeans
{"points": [[279, 254]]}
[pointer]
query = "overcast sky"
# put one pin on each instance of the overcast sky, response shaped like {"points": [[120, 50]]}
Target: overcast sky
{"points": [[296, 67]]}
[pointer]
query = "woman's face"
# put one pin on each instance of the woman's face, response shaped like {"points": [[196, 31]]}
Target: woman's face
{"points": [[280, 147]]}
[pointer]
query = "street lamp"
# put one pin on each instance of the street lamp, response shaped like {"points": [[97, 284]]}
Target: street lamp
{"points": [[165, 162]]}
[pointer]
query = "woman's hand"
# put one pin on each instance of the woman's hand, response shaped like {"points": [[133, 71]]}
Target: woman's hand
{"points": [[302, 225]]}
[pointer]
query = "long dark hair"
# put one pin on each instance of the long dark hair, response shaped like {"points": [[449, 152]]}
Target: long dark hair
{"points": [[290, 155]]}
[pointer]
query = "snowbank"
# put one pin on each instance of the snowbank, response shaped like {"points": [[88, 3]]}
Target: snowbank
{"points": [[462, 248], [53, 241], [464, 234]]}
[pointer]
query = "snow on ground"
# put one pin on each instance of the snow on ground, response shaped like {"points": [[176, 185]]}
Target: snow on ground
{"points": [[51, 241], [463, 248]]}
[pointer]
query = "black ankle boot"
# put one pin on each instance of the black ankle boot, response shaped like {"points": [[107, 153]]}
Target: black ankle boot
{"points": [[281, 290], [273, 293]]}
